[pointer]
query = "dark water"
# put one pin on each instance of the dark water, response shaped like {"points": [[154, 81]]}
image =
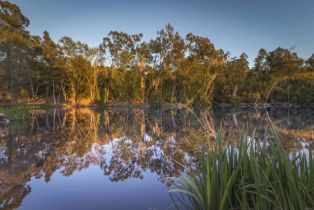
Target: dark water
{"points": [[120, 159]]}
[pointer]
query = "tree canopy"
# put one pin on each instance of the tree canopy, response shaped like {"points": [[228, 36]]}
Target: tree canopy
{"points": [[167, 69]]}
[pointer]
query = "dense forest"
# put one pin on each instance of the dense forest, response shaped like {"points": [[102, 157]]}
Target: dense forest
{"points": [[167, 69]]}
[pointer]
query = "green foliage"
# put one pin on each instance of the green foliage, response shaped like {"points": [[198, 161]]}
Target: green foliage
{"points": [[248, 177], [21, 111]]}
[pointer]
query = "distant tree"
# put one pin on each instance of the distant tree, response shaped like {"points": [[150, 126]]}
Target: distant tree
{"points": [[283, 60], [121, 49], [282, 64], [95, 57], [204, 64], [261, 61], [310, 62], [76, 66], [168, 52], [144, 59]]}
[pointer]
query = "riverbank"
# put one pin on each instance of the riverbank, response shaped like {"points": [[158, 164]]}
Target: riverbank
{"points": [[262, 105], [164, 106], [95, 105]]}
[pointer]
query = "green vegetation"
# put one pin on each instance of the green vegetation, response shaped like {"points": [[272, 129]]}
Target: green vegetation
{"points": [[249, 178], [21, 111], [124, 68]]}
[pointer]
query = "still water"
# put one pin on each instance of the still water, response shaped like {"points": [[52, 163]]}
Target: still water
{"points": [[121, 158]]}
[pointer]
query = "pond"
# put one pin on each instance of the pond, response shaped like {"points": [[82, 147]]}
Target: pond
{"points": [[121, 158]]}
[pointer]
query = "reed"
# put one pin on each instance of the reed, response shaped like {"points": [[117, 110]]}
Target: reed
{"points": [[246, 177]]}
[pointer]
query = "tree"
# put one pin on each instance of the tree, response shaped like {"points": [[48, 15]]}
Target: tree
{"points": [[144, 58], [282, 60], [14, 39], [167, 50], [204, 64], [261, 61], [95, 57], [282, 64], [310, 62], [230, 86], [76, 66], [53, 75], [121, 49], [33, 68]]}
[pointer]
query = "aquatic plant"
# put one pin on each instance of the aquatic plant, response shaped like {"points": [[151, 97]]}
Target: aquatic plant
{"points": [[248, 177]]}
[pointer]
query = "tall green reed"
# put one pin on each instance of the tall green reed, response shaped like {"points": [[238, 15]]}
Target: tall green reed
{"points": [[248, 178]]}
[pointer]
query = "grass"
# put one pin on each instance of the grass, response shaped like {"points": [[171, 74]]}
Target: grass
{"points": [[20, 111], [248, 178]]}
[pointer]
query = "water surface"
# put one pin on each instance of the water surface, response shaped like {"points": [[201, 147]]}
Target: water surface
{"points": [[121, 158]]}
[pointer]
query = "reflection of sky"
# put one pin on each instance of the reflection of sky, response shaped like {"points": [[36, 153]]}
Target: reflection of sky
{"points": [[102, 166], [90, 189], [237, 26], [3, 151]]}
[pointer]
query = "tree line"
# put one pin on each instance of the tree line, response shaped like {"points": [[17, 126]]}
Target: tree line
{"points": [[167, 69]]}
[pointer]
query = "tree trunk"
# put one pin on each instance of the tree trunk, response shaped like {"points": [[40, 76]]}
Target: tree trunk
{"points": [[142, 88], [47, 92], [107, 92], [235, 90], [32, 89], [142, 65], [10, 72], [53, 93], [173, 92]]}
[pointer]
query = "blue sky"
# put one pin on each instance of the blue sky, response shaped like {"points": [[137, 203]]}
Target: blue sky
{"points": [[234, 25]]}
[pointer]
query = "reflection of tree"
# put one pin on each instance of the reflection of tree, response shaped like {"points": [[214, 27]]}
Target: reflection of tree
{"points": [[290, 124], [13, 196], [123, 143]]}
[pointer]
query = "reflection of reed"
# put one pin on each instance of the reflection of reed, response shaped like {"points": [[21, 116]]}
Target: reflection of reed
{"points": [[156, 128], [208, 123]]}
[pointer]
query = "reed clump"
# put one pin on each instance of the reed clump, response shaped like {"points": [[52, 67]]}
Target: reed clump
{"points": [[246, 177]]}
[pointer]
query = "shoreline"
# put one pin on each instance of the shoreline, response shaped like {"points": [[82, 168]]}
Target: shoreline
{"points": [[163, 106]]}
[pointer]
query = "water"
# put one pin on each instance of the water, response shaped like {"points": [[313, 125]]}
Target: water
{"points": [[121, 158]]}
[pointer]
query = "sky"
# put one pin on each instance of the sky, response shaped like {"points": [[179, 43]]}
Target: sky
{"points": [[237, 26]]}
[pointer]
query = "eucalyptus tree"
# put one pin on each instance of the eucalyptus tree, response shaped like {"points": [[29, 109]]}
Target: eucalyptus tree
{"points": [[205, 62], [283, 60], [231, 83], [14, 41], [121, 50], [283, 64], [75, 66], [168, 51], [95, 57], [54, 77], [32, 66], [260, 76], [310, 63], [260, 62], [241, 68], [144, 60]]}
